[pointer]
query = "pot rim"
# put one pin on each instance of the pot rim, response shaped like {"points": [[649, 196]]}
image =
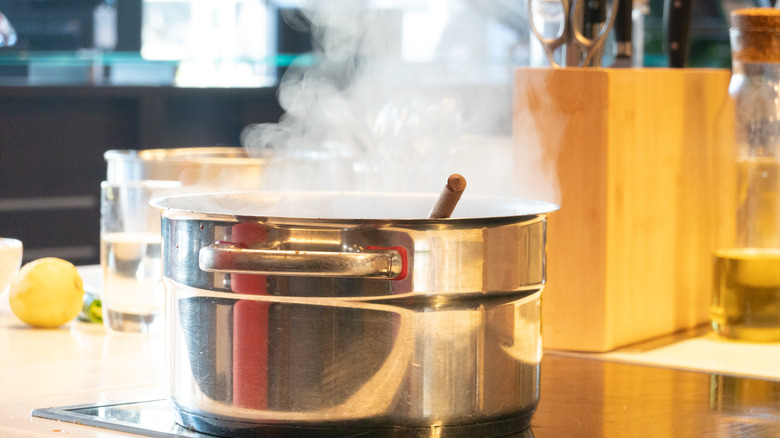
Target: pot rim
{"points": [[219, 204]]}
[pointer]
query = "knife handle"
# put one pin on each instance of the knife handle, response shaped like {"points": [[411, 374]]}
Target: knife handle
{"points": [[623, 21], [678, 26]]}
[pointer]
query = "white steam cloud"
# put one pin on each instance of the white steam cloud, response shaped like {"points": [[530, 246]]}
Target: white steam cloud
{"points": [[399, 95]]}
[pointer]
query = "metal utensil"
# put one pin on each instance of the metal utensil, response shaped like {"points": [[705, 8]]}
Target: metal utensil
{"points": [[573, 35], [624, 51], [595, 18], [451, 346], [677, 27]]}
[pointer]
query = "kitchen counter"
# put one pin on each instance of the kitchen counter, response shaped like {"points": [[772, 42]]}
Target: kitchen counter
{"points": [[582, 395], [78, 364]]}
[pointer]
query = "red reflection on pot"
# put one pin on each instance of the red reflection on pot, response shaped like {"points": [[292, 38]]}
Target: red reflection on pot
{"points": [[250, 328]]}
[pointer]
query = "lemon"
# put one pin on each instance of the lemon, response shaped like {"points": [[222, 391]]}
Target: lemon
{"points": [[47, 292]]}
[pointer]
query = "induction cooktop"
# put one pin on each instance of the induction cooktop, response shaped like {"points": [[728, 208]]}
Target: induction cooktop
{"points": [[153, 418], [156, 418]]}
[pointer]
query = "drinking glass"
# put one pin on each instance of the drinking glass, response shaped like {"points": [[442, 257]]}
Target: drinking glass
{"points": [[133, 295]]}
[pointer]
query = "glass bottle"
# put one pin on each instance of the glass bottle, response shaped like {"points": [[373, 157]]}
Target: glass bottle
{"points": [[746, 297]]}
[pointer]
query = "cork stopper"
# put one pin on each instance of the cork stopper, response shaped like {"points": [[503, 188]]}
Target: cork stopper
{"points": [[755, 35]]}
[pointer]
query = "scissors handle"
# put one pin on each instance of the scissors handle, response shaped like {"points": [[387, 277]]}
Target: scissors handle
{"points": [[590, 45], [550, 44]]}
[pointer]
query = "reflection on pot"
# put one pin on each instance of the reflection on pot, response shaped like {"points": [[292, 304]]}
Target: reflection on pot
{"points": [[264, 359]]}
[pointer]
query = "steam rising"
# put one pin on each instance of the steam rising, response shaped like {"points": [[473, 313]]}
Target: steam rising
{"points": [[397, 99]]}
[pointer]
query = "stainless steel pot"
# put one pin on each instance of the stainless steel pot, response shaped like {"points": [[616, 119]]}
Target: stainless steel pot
{"points": [[287, 315], [197, 168]]}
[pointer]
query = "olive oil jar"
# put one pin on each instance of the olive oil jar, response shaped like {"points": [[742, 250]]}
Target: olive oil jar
{"points": [[746, 297]]}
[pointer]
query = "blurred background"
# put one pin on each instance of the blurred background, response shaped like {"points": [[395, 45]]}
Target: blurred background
{"points": [[253, 30], [87, 76]]}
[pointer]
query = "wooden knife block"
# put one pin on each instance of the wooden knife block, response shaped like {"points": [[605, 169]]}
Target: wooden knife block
{"points": [[637, 154]]}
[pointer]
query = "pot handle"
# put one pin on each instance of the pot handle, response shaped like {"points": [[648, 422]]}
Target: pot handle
{"points": [[373, 262]]}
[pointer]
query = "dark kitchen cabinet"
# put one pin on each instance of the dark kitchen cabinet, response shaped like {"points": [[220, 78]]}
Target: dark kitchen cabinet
{"points": [[52, 141]]}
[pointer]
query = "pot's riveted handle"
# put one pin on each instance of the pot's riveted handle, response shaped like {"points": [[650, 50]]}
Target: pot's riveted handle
{"points": [[373, 262]]}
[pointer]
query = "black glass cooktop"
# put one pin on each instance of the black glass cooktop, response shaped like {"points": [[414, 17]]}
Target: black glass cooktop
{"points": [[156, 418], [153, 418]]}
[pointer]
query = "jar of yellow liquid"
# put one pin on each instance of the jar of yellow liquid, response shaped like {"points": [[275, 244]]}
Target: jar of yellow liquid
{"points": [[746, 298], [746, 302]]}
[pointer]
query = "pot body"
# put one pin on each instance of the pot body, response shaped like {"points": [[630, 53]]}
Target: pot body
{"points": [[429, 326], [199, 169]]}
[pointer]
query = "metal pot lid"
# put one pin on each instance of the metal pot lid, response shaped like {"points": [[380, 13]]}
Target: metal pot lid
{"points": [[347, 206]]}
